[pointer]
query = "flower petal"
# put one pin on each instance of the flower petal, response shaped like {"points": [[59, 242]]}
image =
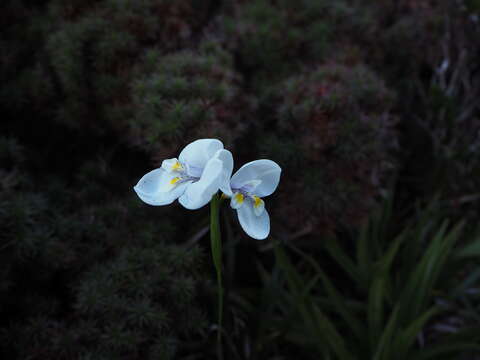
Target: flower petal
{"points": [[149, 188], [200, 193], [257, 227], [265, 170], [226, 158], [197, 153]]}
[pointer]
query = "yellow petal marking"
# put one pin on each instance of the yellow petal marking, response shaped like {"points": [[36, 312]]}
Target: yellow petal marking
{"points": [[258, 201], [174, 180], [177, 166], [239, 198]]}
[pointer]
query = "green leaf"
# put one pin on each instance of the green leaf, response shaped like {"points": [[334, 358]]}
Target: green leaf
{"points": [[384, 344], [472, 250], [338, 302], [344, 261], [364, 256], [407, 337], [312, 316], [450, 349], [469, 281], [329, 332], [424, 276], [435, 264], [378, 292], [375, 310]]}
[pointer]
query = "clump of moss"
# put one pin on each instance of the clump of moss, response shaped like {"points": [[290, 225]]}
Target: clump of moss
{"points": [[88, 271], [272, 39], [93, 51], [259, 33], [333, 136], [137, 70], [138, 305], [83, 57], [187, 95]]}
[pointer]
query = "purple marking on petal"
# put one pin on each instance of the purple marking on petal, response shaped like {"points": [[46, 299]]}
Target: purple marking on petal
{"points": [[245, 191], [194, 171], [247, 188]]}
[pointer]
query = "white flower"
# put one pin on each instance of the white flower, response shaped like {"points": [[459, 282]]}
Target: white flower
{"points": [[246, 188], [193, 178]]}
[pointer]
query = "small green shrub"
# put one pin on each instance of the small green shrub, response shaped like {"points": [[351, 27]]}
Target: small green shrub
{"points": [[187, 95], [334, 134], [88, 272]]}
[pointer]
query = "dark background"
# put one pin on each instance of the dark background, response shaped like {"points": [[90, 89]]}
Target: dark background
{"points": [[370, 108]]}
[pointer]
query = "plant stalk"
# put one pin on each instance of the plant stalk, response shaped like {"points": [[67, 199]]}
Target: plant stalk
{"points": [[216, 245]]}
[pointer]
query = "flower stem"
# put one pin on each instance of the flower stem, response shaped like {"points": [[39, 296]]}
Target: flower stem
{"points": [[216, 245]]}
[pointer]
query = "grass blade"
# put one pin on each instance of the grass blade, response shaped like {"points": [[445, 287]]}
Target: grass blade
{"points": [[384, 344], [312, 316], [335, 298], [407, 338]]}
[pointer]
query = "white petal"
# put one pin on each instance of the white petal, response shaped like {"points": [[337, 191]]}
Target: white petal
{"points": [[226, 158], [200, 193], [149, 188], [199, 152], [237, 200], [257, 227], [170, 165], [267, 171]]}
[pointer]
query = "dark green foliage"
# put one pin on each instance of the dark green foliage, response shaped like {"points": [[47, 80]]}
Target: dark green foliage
{"points": [[387, 296]]}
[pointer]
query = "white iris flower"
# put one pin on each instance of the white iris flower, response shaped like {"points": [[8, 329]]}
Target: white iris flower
{"points": [[246, 188], [193, 178]]}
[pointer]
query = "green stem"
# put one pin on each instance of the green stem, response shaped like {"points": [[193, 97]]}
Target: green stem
{"points": [[216, 245]]}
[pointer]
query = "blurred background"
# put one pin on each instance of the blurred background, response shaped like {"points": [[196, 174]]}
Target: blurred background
{"points": [[372, 109]]}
